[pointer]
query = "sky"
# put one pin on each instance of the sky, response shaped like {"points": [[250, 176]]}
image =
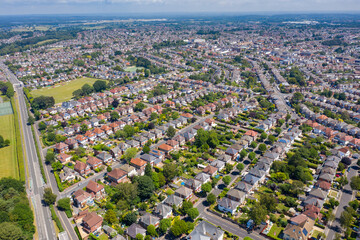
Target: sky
{"points": [[20, 7]]}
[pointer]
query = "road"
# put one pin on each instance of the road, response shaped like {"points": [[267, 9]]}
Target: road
{"points": [[44, 224], [346, 197]]}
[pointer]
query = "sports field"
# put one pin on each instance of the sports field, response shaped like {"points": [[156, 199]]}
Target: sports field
{"points": [[132, 69], [63, 91], [8, 158]]}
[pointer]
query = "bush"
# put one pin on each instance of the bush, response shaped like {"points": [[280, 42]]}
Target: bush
{"points": [[56, 218]]}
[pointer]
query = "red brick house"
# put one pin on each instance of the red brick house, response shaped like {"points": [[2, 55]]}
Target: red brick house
{"points": [[61, 147], [82, 168], [117, 176], [94, 162], [92, 222], [95, 189]]}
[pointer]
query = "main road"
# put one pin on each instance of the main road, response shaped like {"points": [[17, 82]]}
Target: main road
{"points": [[35, 187]]}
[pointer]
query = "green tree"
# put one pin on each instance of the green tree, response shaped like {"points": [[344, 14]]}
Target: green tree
{"points": [[262, 147], [127, 192], [206, 187], [170, 170], [129, 130], [146, 149], [130, 153], [99, 86], [180, 227], [211, 198], [176, 86], [114, 116], [240, 167], [110, 217], [186, 206], [64, 204], [83, 128], [77, 93], [151, 231], [272, 139], [145, 187], [49, 196], [268, 201], [193, 213], [139, 107], [228, 167], [252, 156], [42, 126], [56, 166], [263, 136], [148, 170], [139, 236], [130, 218], [9, 231], [171, 132], [164, 225], [346, 219], [253, 144], [227, 180], [258, 214], [355, 183], [87, 89], [278, 130], [31, 120], [243, 153]]}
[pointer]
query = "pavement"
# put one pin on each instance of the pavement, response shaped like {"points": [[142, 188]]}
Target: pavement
{"points": [[347, 195], [35, 187]]}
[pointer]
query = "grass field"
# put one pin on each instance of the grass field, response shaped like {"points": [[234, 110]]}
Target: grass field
{"points": [[8, 160], [132, 69], [63, 91]]}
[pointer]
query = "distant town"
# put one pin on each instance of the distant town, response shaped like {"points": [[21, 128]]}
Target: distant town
{"points": [[181, 129]]}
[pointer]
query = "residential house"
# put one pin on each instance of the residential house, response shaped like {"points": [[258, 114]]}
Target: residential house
{"points": [[117, 176], [163, 211], [82, 199], [184, 192], [236, 195], [134, 230], [206, 231], [92, 223], [212, 171], [82, 168], [139, 165], [96, 189], [93, 162], [228, 205]]}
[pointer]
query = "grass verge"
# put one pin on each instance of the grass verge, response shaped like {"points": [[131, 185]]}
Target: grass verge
{"points": [[56, 218], [19, 150]]}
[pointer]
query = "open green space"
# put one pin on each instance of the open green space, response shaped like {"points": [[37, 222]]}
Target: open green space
{"points": [[63, 91], [132, 69], [5, 108], [8, 160]]}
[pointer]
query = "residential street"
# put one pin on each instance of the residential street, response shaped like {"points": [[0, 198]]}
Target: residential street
{"points": [[346, 196]]}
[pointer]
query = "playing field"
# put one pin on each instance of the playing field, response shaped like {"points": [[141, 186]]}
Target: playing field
{"points": [[8, 162], [132, 69], [63, 91]]}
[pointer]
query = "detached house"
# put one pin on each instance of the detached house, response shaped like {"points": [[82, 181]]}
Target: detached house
{"points": [[96, 189], [82, 168], [117, 176]]}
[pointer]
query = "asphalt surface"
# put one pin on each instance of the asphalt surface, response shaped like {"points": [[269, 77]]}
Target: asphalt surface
{"points": [[347, 195], [35, 187]]}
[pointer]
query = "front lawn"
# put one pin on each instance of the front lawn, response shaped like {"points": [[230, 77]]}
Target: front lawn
{"points": [[275, 231]]}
